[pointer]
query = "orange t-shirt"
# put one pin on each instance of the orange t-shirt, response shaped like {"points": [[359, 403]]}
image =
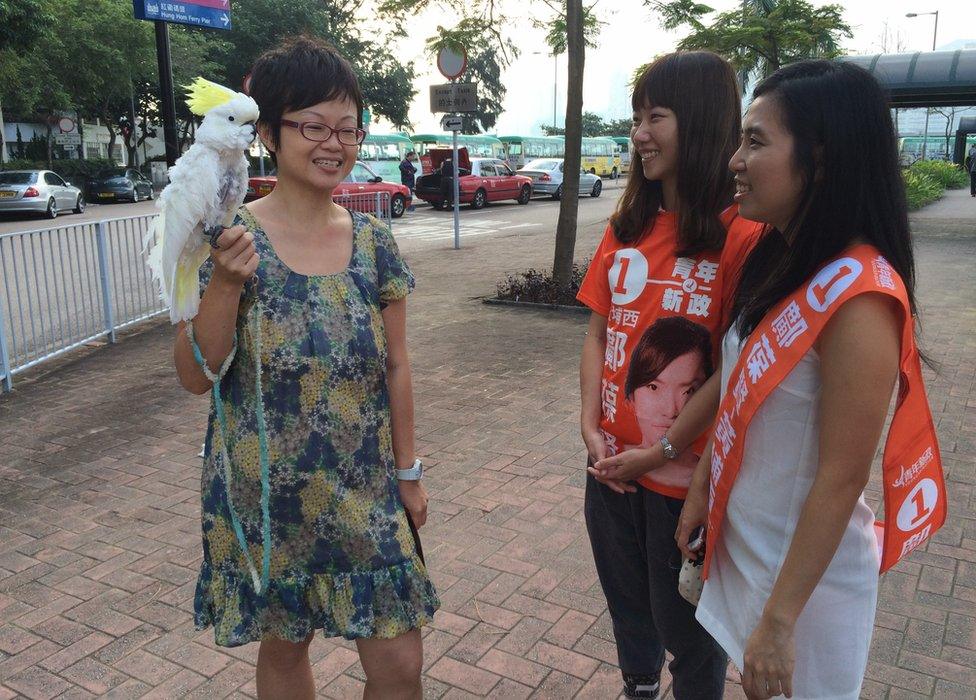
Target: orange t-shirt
{"points": [[672, 311]]}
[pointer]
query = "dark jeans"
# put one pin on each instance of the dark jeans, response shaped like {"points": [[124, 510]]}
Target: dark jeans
{"points": [[632, 536], [972, 183]]}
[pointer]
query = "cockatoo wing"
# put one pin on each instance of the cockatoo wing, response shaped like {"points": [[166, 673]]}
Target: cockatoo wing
{"points": [[179, 247]]}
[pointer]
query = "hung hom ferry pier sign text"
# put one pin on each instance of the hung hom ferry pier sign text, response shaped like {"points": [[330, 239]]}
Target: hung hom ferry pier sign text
{"points": [[214, 14]]}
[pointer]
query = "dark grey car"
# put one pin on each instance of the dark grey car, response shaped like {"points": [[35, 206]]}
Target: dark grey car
{"points": [[120, 185]]}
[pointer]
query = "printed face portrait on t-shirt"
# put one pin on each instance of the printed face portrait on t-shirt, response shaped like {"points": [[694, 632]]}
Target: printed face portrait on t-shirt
{"points": [[671, 361]]}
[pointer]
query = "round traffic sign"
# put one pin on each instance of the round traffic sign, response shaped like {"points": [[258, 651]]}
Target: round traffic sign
{"points": [[66, 125], [452, 64]]}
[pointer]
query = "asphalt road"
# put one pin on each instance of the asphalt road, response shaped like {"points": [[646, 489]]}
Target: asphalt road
{"points": [[13, 223]]}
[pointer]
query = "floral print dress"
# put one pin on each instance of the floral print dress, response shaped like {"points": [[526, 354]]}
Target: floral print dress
{"points": [[321, 515]]}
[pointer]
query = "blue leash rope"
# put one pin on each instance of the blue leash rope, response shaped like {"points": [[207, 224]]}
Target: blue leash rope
{"points": [[260, 582]]}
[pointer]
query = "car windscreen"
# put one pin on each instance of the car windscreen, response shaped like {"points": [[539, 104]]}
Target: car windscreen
{"points": [[542, 165], [107, 174], [17, 178]]}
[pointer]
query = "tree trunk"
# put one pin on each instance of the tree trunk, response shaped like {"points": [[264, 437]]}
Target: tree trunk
{"points": [[562, 262], [111, 139]]}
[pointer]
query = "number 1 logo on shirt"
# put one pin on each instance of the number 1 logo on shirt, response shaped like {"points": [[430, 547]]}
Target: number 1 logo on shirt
{"points": [[627, 276]]}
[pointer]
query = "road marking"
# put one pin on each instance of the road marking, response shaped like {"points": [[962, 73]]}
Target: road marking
{"points": [[432, 228]]}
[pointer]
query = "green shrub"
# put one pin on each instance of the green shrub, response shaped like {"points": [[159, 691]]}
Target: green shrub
{"points": [[949, 175], [921, 189], [538, 287]]}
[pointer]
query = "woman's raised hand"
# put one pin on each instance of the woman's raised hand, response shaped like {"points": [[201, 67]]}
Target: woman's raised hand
{"points": [[235, 258]]}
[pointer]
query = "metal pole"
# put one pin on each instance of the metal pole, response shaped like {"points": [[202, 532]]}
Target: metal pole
{"points": [[132, 125], [457, 178], [166, 92], [8, 382], [4, 157], [555, 82], [103, 278]]}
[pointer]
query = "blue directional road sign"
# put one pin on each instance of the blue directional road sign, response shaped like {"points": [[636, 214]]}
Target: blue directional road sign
{"points": [[214, 14]]}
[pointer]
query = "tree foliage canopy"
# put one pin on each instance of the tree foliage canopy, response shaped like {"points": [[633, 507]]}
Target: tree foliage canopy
{"points": [[94, 57], [760, 36]]}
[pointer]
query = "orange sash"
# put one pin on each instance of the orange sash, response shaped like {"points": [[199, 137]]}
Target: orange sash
{"points": [[914, 488]]}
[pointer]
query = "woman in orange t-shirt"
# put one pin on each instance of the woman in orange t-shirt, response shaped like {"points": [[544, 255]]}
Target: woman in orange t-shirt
{"points": [[659, 287]]}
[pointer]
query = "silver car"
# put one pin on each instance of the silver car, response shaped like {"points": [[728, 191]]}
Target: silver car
{"points": [[40, 191], [547, 178]]}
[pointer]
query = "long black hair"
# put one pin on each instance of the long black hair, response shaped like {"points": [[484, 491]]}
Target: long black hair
{"points": [[701, 89], [846, 152]]}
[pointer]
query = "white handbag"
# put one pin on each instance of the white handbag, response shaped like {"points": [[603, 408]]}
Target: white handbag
{"points": [[690, 580]]}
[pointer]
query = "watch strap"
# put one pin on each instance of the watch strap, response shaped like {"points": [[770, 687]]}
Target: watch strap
{"points": [[414, 473]]}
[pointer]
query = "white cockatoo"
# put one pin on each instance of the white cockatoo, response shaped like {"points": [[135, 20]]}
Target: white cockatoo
{"points": [[206, 188]]}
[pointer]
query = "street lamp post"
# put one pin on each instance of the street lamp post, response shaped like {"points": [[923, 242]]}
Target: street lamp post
{"points": [[555, 81], [935, 33]]}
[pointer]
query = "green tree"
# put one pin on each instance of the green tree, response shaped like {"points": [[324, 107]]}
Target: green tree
{"points": [[619, 127], [593, 125], [29, 75], [760, 36], [480, 21], [484, 68], [261, 24]]}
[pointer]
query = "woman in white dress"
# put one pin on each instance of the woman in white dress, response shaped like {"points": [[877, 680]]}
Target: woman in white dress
{"points": [[793, 579]]}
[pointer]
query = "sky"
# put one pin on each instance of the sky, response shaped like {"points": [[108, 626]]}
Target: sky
{"points": [[631, 36]]}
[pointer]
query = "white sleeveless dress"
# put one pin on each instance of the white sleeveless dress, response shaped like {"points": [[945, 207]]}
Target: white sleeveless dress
{"points": [[833, 633]]}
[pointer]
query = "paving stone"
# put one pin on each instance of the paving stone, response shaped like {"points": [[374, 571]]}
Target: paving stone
{"points": [[99, 547]]}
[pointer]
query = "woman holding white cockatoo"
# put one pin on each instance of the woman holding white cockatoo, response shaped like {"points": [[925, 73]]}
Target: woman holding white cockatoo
{"points": [[310, 478]]}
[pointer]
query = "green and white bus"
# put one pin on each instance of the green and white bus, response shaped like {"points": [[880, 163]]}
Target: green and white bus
{"points": [[626, 153], [519, 150], [383, 153]]}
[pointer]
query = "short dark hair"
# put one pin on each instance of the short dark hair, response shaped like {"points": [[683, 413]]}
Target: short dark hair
{"points": [[411, 153], [302, 71], [846, 151], [663, 342], [700, 87]]}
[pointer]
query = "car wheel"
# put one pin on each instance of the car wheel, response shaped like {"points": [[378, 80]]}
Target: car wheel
{"points": [[135, 195], [480, 199], [558, 194], [437, 204], [398, 205], [597, 189], [80, 205], [525, 194], [52, 209], [150, 196]]}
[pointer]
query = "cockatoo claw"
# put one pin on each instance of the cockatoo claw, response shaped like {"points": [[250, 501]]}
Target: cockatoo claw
{"points": [[213, 233]]}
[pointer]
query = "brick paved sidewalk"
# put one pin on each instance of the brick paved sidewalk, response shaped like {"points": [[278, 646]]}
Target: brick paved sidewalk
{"points": [[99, 509]]}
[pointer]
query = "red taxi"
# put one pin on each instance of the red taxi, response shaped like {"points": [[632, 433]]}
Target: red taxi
{"points": [[357, 192], [482, 180]]}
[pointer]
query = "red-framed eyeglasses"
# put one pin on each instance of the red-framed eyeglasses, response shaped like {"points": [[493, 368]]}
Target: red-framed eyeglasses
{"points": [[316, 131]]}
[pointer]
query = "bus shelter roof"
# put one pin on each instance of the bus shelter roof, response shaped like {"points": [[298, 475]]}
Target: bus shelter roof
{"points": [[925, 78]]}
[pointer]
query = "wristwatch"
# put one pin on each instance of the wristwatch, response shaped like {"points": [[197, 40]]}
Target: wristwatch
{"points": [[414, 473], [669, 450]]}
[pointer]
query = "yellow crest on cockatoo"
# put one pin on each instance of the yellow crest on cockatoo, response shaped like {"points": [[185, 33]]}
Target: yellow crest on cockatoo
{"points": [[203, 95]]}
